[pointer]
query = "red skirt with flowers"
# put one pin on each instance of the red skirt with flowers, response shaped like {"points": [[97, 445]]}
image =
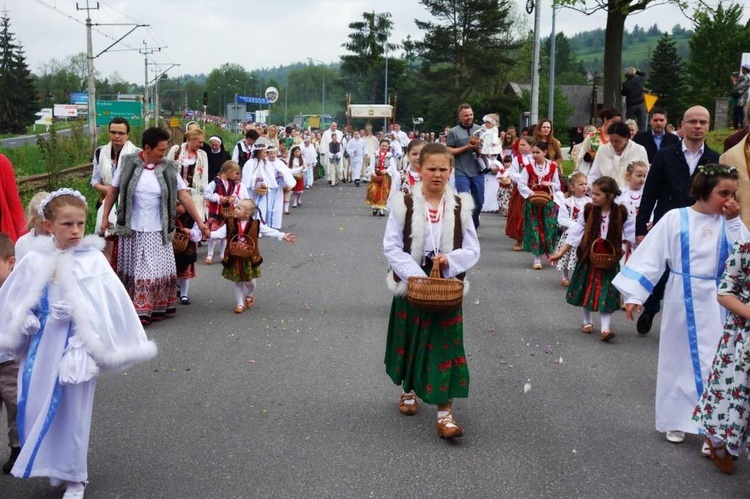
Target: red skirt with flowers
{"points": [[425, 353], [514, 222]]}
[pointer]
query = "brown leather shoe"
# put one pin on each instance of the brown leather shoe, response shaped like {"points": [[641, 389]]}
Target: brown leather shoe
{"points": [[607, 335], [447, 427], [721, 457], [408, 409], [587, 328], [239, 309]]}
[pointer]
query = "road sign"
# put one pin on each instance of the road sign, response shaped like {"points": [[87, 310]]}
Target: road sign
{"points": [[252, 100], [174, 123], [650, 100], [79, 98], [45, 116], [108, 109]]}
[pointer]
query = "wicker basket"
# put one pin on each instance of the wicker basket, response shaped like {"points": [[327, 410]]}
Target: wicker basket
{"points": [[603, 255], [227, 210], [261, 190], [433, 293], [180, 241], [541, 195], [297, 176], [242, 246]]}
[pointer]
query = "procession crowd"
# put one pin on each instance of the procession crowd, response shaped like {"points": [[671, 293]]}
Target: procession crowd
{"points": [[645, 214]]}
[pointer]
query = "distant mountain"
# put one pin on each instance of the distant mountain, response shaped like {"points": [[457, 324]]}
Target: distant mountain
{"points": [[637, 46]]}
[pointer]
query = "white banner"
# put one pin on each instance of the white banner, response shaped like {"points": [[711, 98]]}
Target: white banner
{"points": [[370, 111], [66, 111]]}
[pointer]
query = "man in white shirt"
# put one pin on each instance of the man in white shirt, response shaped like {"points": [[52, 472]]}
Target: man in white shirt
{"points": [[355, 149]]}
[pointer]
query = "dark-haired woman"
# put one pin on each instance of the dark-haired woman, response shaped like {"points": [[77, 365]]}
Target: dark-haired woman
{"points": [[613, 158]]}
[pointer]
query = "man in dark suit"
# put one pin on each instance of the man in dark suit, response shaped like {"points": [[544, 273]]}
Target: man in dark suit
{"points": [[668, 187], [657, 137]]}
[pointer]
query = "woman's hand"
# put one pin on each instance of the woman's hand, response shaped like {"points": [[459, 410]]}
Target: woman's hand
{"points": [[629, 308]]}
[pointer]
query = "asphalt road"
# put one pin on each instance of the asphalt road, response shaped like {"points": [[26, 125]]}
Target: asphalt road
{"points": [[31, 139], [290, 399]]}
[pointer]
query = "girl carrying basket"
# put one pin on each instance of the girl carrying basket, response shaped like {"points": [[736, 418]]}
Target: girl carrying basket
{"points": [[424, 350]]}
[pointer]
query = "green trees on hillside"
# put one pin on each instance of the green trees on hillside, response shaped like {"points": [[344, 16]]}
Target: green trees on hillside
{"points": [[18, 101]]}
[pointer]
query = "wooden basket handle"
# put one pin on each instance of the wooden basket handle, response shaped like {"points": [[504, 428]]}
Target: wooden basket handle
{"points": [[435, 271]]}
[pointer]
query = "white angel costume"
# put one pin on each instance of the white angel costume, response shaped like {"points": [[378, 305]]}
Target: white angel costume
{"points": [[270, 174], [694, 246], [67, 316]]}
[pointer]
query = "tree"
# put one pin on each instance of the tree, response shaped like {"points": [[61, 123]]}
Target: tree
{"points": [[18, 101], [715, 51], [365, 66], [464, 51], [617, 11], [568, 71], [666, 76]]}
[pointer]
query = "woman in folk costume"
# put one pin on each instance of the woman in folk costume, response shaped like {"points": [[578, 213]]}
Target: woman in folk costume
{"points": [[147, 187], [514, 223], [539, 222], [67, 317], [193, 166], [382, 167], [613, 158], [424, 351], [694, 244]]}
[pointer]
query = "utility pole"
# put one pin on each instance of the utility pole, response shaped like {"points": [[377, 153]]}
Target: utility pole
{"points": [[535, 66], [552, 54], [145, 51], [90, 70]]}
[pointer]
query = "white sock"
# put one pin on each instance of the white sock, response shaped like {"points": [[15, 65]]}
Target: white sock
{"points": [[606, 320], [74, 486], [410, 401], [286, 206], [184, 286], [223, 247], [442, 414], [211, 246], [537, 259], [586, 315], [250, 285], [239, 293], [565, 274]]}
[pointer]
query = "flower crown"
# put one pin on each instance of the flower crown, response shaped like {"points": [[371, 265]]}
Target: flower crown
{"points": [[717, 169], [65, 191]]}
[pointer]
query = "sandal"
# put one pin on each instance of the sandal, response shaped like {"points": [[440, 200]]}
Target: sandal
{"points": [[565, 282], [517, 247], [239, 309], [725, 462], [587, 328], [185, 300], [447, 427], [607, 335], [249, 301], [209, 260], [537, 266], [408, 409]]}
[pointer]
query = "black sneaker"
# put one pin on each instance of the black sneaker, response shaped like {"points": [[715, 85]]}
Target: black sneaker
{"points": [[356, 183], [14, 451], [643, 326]]}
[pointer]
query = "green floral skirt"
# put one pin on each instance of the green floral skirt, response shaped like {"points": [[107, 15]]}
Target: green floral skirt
{"points": [[239, 270], [539, 228], [425, 353], [592, 288]]}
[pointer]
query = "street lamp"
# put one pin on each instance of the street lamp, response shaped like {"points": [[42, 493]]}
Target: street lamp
{"points": [[323, 103]]}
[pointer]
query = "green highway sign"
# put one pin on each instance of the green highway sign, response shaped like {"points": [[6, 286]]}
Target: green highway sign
{"points": [[108, 109]]}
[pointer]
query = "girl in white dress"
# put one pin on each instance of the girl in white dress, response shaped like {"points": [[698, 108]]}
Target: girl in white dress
{"points": [[694, 244], [635, 176], [66, 317]]}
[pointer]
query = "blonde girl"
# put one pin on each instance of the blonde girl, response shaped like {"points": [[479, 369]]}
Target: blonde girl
{"points": [[570, 209], [67, 317], [244, 272], [635, 178], [36, 226], [222, 193]]}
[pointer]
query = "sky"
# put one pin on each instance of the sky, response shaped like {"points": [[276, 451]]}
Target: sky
{"points": [[200, 35]]}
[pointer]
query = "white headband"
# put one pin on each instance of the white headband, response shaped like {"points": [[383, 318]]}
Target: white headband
{"points": [[489, 119], [65, 191]]}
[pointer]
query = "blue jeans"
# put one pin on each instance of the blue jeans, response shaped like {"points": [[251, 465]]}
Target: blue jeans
{"points": [[475, 186]]}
